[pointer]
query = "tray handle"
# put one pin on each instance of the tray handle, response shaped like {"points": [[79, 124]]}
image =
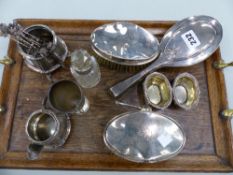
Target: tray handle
{"points": [[5, 61], [220, 64], [227, 113]]}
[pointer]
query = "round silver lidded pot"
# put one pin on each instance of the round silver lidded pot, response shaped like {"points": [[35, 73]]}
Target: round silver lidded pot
{"points": [[186, 91], [57, 52], [157, 90]]}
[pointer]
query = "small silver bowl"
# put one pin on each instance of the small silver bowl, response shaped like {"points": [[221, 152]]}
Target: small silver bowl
{"points": [[186, 91], [157, 90]]}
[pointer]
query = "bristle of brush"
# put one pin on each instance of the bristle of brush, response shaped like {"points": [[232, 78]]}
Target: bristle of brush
{"points": [[118, 67]]}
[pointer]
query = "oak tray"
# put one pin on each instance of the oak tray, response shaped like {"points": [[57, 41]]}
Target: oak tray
{"points": [[209, 137]]}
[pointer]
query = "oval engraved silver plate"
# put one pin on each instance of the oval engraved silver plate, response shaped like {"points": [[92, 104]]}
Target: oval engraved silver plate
{"points": [[125, 43], [144, 136]]}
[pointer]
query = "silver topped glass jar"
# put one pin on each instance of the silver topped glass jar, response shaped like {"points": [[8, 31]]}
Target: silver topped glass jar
{"points": [[85, 69]]}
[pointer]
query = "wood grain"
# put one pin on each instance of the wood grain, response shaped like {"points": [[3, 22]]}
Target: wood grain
{"points": [[209, 138]]}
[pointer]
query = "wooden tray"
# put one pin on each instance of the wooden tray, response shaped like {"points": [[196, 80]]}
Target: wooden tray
{"points": [[209, 137]]}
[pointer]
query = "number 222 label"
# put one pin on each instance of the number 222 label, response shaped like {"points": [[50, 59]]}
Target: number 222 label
{"points": [[190, 39]]}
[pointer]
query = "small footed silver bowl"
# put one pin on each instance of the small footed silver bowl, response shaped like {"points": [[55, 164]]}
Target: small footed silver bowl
{"points": [[157, 90], [186, 91]]}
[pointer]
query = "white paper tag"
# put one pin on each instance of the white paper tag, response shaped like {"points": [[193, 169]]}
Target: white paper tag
{"points": [[190, 39], [164, 139]]}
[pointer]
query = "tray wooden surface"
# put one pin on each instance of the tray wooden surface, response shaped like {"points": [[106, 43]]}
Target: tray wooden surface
{"points": [[209, 137]]}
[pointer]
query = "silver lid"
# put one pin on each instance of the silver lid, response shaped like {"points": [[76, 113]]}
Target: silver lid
{"points": [[144, 136]]}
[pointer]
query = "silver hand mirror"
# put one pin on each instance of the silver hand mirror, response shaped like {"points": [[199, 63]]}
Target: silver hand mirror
{"points": [[188, 42], [125, 43], [144, 136]]}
